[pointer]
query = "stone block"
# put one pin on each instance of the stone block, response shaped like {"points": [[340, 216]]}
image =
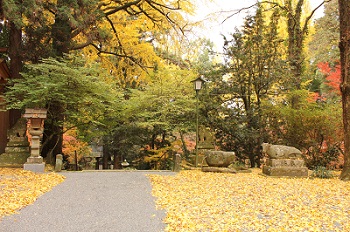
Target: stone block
{"points": [[21, 142], [13, 159], [285, 163], [17, 149], [287, 171], [34, 167], [35, 160], [35, 152]]}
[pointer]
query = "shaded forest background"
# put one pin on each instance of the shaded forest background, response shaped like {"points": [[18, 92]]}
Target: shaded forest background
{"points": [[119, 73]]}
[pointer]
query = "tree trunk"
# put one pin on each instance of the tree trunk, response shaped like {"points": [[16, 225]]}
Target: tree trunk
{"points": [[117, 162], [295, 41], [15, 49], [184, 147], [105, 159], [153, 141], [16, 63], [53, 134], [344, 45]]}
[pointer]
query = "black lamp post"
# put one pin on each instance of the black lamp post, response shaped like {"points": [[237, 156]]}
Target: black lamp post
{"points": [[197, 86]]}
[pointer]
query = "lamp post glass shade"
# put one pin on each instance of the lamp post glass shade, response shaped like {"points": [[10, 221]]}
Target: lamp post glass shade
{"points": [[198, 83]]}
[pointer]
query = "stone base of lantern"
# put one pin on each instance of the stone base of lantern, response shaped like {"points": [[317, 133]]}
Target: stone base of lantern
{"points": [[34, 164], [34, 167]]}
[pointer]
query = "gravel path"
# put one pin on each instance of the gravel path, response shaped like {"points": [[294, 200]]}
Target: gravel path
{"points": [[92, 201]]}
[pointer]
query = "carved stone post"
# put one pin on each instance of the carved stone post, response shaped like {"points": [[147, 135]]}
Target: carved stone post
{"points": [[36, 128]]}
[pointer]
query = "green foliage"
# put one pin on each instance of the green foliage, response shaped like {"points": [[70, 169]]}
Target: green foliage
{"points": [[239, 165], [166, 101], [297, 99], [4, 36], [324, 44], [322, 172], [318, 157], [14, 11], [125, 140], [86, 93], [153, 113], [299, 121], [203, 59]]}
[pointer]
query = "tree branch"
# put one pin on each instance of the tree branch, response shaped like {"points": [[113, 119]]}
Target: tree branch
{"points": [[81, 46], [311, 14], [123, 7], [238, 11], [133, 59]]}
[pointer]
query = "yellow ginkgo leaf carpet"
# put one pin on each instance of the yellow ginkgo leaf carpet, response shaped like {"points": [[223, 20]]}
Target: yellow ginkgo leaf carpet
{"points": [[203, 201], [19, 188]]}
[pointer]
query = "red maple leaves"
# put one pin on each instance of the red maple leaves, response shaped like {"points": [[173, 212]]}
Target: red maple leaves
{"points": [[333, 76]]}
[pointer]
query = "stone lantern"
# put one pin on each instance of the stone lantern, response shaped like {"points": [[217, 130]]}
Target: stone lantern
{"points": [[35, 118]]}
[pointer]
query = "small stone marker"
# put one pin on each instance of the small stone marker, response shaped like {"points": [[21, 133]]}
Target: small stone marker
{"points": [[58, 166], [177, 163]]}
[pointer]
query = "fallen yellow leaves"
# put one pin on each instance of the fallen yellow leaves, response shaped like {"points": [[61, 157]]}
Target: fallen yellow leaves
{"points": [[19, 188], [203, 201]]}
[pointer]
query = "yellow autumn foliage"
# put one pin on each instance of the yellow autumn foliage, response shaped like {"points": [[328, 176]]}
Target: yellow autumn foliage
{"points": [[203, 201], [128, 51], [19, 188]]}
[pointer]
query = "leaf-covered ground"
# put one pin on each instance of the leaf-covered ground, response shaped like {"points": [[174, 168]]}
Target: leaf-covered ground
{"points": [[19, 188], [202, 201]]}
